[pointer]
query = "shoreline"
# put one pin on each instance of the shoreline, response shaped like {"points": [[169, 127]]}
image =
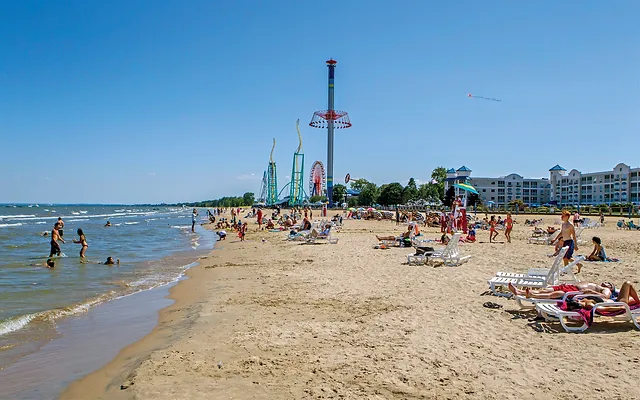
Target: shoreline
{"points": [[106, 381]]}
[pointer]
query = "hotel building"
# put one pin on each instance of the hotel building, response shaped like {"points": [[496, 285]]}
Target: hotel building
{"points": [[620, 185], [501, 190]]}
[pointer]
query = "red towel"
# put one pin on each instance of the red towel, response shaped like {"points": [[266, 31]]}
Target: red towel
{"points": [[566, 288]]}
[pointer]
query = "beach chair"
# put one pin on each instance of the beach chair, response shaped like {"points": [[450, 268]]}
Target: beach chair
{"points": [[552, 313], [450, 255], [544, 238], [314, 239], [530, 281], [566, 271], [579, 238]]}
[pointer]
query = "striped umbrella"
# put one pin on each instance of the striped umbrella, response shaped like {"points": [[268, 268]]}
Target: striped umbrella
{"points": [[466, 187]]}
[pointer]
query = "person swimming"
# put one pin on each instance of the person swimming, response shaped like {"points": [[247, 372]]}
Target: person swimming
{"points": [[111, 262], [49, 264], [107, 224]]}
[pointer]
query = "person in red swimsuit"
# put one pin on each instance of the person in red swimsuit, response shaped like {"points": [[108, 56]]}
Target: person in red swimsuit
{"points": [[508, 226]]}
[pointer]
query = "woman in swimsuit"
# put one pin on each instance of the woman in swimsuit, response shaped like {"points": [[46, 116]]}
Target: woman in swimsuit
{"points": [[82, 241], [493, 234], [568, 233], [598, 253], [508, 225], [628, 295], [604, 290]]}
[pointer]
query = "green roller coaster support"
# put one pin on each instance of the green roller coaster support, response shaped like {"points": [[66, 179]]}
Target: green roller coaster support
{"points": [[296, 191], [272, 179]]}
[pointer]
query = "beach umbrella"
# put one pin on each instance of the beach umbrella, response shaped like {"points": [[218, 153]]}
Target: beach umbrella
{"points": [[352, 209], [371, 209], [466, 187]]}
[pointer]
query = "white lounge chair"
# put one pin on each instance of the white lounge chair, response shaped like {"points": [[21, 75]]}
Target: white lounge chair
{"points": [[551, 312], [450, 255], [531, 281], [319, 238], [525, 302]]}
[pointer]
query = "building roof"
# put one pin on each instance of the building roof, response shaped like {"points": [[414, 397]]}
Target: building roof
{"points": [[451, 171], [463, 168], [557, 167]]}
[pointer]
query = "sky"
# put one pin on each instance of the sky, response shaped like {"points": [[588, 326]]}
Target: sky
{"points": [[168, 101]]}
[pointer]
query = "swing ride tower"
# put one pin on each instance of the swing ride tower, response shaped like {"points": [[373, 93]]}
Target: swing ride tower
{"points": [[272, 179], [330, 119], [296, 191]]}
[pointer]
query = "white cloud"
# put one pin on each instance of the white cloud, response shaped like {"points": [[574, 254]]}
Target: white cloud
{"points": [[151, 174]]}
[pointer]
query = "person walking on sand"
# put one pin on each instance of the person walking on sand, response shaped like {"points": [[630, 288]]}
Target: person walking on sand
{"points": [[568, 233], [83, 241], [55, 236], [194, 217], [397, 216], [508, 226], [259, 215], [493, 234]]}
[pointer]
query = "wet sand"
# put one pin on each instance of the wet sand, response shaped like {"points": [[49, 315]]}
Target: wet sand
{"points": [[275, 319]]}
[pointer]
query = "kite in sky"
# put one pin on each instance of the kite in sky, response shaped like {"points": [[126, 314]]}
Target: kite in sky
{"points": [[484, 98]]}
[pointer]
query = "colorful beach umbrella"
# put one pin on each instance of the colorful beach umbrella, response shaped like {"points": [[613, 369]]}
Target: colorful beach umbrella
{"points": [[466, 187]]}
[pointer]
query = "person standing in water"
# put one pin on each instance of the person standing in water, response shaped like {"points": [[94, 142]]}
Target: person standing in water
{"points": [[55, 236], [83, 241], [194, 217], [60, 226]]}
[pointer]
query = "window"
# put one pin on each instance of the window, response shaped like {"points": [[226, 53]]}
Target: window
{"points": [[484, 190]]}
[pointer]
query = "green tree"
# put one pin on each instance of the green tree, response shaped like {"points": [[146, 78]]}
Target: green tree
{"points": [[428, 192], [439, 175], [516, 203], [449, 197], [248, 199], [359, 184], [339, 191], [391, 194], [410, 192], [315, 199], [368, 194]]}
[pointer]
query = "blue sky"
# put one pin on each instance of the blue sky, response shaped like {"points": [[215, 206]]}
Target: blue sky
{"points": [[151, 101]]}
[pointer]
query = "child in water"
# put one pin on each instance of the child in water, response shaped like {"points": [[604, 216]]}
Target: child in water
{"points": [[111, 262], [83, 241]]}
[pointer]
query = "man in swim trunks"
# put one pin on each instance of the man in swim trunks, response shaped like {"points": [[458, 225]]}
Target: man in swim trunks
{"points": [[60, 226], [568, 233], [604, 290], [55, 236]]}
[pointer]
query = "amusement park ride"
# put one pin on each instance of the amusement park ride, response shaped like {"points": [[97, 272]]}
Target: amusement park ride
{"points": [[320, 183]]}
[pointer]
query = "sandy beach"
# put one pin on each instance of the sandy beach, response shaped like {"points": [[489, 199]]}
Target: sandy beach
{"points": [[275, 319]]}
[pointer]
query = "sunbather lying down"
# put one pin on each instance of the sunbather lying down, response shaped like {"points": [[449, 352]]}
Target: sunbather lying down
{"points": [[392, 238], [627, 295], [604, 290]]}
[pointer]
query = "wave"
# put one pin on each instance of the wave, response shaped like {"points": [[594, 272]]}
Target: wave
{"points": [[9, 225], [131, 223], [15, 323], [181, 226], [77, 219], [16, 216], [40, 222], [75, 213], [33, 217]]}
